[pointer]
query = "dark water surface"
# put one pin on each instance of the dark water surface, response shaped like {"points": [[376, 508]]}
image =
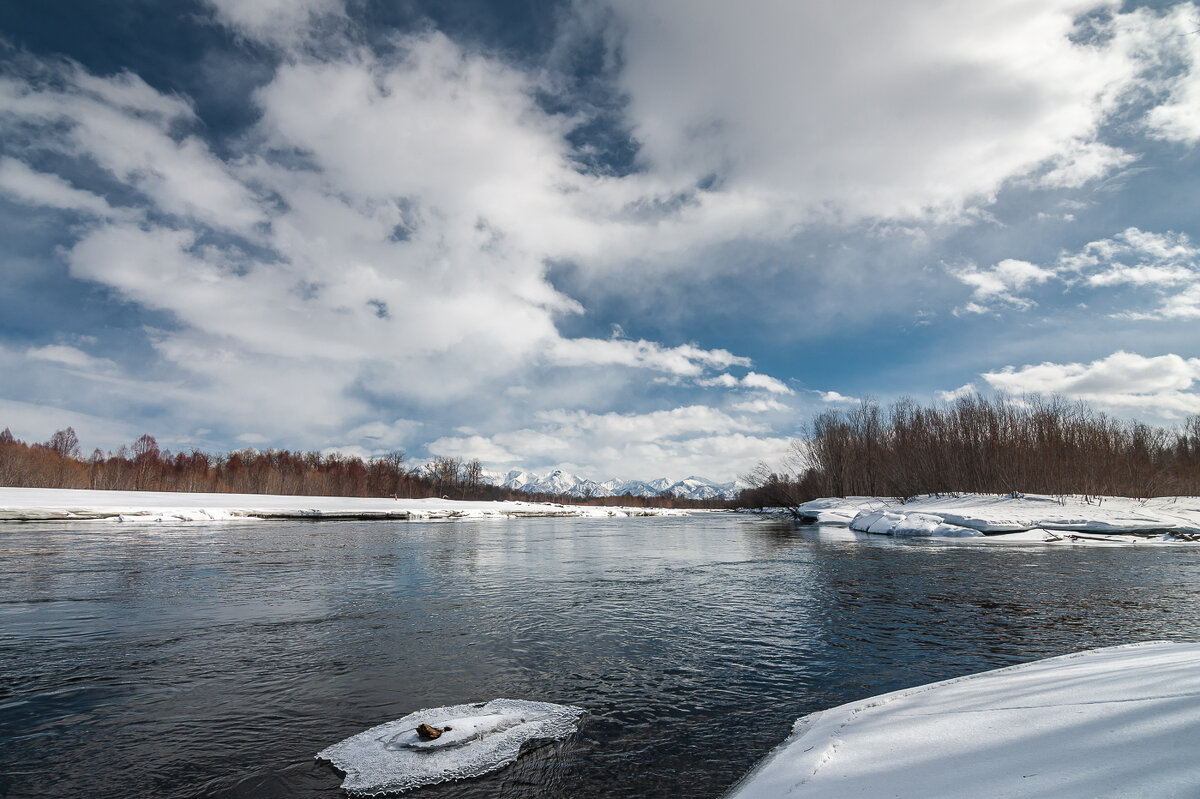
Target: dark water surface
{"points": [[215, 660]]}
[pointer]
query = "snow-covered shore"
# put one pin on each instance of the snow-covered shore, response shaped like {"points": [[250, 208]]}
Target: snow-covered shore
{"points": [[54, 504], [1016, 518], [1120, 721]]}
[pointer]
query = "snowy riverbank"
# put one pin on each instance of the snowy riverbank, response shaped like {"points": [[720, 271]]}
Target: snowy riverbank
{"points": [[1016, 518], [54, 504], [1120, 721]]}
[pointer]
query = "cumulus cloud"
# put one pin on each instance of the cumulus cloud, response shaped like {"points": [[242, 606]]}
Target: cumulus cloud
{"points": [[674, 443], [751, 380], [759, 406], [375, 246], [1002, 284], [1166, 263], [283, 23], [1082, 163], [1175, 40], [766, 383], [684, 360], [38, 421], [835, 397], [964, 390], [950, 104], [387, 226], [131, 131], [21, 183], [1124, 381]]}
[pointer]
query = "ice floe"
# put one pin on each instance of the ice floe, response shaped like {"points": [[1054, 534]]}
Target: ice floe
{"points": [[1017, 518], [56, 504], [1120, 721], [474, 739]]}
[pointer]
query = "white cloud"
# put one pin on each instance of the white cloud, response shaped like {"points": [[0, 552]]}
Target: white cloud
{"points": [[1082, 163], [766, 383], [835, 397], [751, 380], [759, 406], [1182, 305], [857, 109], [73, 357], [684, 360], [650, 426], [973, 308], [1174, 36], [723, 380], [1002, 284], [38, 421], [965, 390], [673, 443], [481, 447], [130, 130], [1124, 381], [40, 188], [1166, 263], [380, 436], [284, 23], [407, 253], [1164, 250], [376, 244]]}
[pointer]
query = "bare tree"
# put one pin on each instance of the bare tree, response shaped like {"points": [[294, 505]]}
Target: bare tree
{"points": [[64, 443]]}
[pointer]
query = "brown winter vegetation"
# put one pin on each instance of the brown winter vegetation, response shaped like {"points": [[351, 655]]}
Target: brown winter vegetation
{"points": [[57, 463], [981, 445]]}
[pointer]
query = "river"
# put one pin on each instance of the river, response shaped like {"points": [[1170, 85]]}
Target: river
{"points": [[214, 660]]}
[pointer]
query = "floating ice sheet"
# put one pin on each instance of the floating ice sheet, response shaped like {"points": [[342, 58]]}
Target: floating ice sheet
{"points": [[481, 738]]}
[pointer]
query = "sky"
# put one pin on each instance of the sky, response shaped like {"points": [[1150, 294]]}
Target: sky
{"points": [[621, 238]]}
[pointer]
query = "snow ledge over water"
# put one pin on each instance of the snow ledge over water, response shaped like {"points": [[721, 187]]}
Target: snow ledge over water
{"points": [[1017, 518], [1120, 721]]}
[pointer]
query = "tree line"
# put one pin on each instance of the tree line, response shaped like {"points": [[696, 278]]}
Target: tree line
{"points": [[978, 444], [143, 466]]}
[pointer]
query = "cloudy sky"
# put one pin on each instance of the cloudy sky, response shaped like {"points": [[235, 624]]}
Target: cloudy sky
{"points": [[629, 239]]}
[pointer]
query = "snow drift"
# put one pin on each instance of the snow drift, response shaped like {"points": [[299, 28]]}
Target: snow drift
{"points": [[1015, 517], [58, 504], [1120, 721]]}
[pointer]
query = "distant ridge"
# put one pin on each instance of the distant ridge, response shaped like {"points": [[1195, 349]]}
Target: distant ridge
{"points": [[567, 484]]}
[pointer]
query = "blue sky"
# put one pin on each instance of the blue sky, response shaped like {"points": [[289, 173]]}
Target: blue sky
{"points": [[621, 238]]}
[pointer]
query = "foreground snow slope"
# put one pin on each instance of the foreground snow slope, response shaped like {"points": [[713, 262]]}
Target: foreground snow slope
{"points": [[1021, 517], [1121, 721], [44, 504]]}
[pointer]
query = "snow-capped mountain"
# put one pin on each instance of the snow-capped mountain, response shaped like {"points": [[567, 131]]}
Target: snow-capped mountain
{"points": [[565, 483]]}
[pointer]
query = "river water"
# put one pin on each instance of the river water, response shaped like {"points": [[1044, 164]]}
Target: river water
{"points": [[215, 660]]}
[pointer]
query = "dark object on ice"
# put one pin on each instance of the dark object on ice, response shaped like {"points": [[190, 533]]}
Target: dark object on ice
{"points": [[471, 740]]}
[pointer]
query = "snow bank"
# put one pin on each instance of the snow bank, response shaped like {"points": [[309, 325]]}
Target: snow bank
{"points": [[475, 739], [1121, 721], [1016, 518], [54, 504], [838, 510]]}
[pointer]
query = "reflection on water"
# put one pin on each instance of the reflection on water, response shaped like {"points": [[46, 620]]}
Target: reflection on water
{"points": [[215, 660]]}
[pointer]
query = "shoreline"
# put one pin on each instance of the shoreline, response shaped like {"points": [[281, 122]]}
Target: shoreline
{"points": [[63, 504], [1015, 518]]}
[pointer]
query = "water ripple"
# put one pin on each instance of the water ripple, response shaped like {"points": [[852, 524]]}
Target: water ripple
{"points": [[213, 661]]}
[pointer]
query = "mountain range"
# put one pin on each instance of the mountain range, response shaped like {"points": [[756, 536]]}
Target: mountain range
{"points": [[565, 483]]}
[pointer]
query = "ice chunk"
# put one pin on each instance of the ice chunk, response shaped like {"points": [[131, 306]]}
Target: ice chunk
{"points": [[475, 739]]}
